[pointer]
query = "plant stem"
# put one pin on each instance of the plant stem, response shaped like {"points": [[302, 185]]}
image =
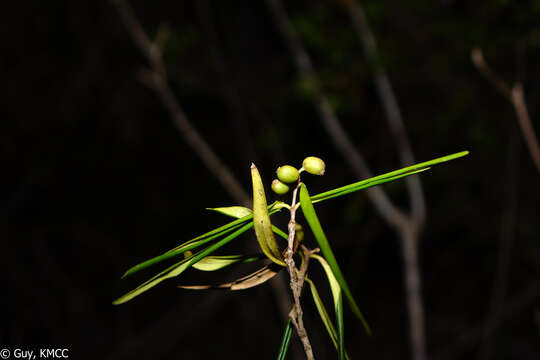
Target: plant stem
{"points": [[514, 94], [408, 226], [296, 314]]}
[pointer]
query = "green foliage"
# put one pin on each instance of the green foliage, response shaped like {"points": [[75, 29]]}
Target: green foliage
{"points": [[259, 219], [286, 341], [315, 225]]}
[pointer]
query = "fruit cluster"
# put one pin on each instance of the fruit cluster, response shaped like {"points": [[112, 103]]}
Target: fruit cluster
{"points": [[289, 174]]}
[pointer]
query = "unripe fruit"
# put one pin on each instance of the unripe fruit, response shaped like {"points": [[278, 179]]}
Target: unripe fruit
{"points": [[287, 174], [279, 188], [314, 165], [299, 231]]}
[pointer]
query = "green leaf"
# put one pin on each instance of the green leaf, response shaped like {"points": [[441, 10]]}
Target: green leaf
{"points": [[241, 211], [285, 341], [324, 315], [338, 303], [233, 211], [188, 245], [261, 220], [278, 205], [213, 263], [315, 225], [380, 179], [181, 266], [364, 184], [191, 244], [334, 285], [278, 231], [340, 328]]}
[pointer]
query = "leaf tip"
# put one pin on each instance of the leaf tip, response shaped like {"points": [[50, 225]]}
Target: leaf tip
{"points": [[126, 274], [117, 301]]}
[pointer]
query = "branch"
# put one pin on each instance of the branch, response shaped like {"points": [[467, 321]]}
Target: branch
{"points": [[408, 227], [337, 134], [156, 79], [296, 313], [390, 106], [506, 242], [525, 124], [499, 84], [515, 96]]}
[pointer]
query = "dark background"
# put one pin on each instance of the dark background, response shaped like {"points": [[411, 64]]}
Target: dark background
{"points": [[96, 178]]}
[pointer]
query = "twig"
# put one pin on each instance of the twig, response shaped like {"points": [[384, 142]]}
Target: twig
{"points": [[226, 80], [156, 79], [303, 269], [409, 233], [499, 84], [506, 242], [330, 122], [389, 104], [296, 314], [408, 227], [515, 96]]}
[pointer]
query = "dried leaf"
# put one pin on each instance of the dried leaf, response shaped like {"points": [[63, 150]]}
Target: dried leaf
{"points": [[256, 278]]}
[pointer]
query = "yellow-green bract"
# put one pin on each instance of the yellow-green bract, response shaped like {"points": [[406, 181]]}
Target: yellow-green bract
{"points": [[261, 220]]}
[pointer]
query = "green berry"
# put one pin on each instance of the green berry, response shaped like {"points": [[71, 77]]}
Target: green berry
{"points": [[279, 188], [314, 165], [299, 231], [287, 174]]}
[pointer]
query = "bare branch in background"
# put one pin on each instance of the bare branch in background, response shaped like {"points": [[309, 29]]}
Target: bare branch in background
{"points": [[389, 104], [237, 111], [156, 79], [516, 97], [331, 123], [506, 242], [226, 79], [407, 226]]}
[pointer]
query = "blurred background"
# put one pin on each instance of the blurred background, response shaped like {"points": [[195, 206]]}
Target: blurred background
{"points": [[97, 177]]}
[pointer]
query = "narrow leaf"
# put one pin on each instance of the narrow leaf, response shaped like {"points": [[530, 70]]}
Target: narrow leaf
{"points": [[261, 220], [334, 285], [285, 341], [279, 232], [344, 190], [340, 328], [390, 176], [191, 244], [213, 263], [241, 211], [315, 225], [233, 211], [338, 303], [181, 266], [256, 278], [332, 333]]}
